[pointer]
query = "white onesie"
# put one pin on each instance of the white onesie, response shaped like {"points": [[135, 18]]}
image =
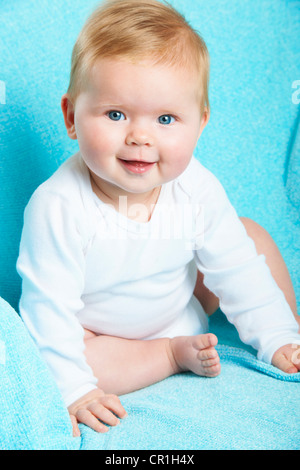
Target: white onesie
{"points": [[84, 264]]}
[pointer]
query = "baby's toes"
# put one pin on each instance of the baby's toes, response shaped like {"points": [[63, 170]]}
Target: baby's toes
{"points": [[205, 341], [210, 362], [212, 370], [207, 354]]}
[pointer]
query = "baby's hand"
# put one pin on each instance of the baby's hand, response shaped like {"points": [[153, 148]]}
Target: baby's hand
{"points": [[93, 406], [287, 358]]}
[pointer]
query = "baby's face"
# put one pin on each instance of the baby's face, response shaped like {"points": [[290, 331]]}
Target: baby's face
{"points": [[137, 124]]}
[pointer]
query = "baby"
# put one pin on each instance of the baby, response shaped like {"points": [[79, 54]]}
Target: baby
{"points": [[131, 243]]}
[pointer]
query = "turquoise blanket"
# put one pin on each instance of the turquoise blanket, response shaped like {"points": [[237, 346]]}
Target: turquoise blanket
{"points": [[252, 144], [251, 405]]}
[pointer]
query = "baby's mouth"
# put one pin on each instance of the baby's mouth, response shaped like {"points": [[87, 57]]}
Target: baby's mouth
{"points": [[137, 166]]}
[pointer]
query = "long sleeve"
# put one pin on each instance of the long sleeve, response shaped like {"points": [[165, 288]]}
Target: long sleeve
{"points": [[240, 278], [51, 264]]}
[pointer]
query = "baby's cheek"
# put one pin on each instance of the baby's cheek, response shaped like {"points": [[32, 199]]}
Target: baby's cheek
{"points": [[178, 163], [92, 146]]}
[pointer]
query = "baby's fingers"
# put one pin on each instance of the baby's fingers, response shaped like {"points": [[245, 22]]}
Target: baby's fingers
{"points": [[284, 364], [86, 417], [112, 403], [76, 430], [296, 356], [102, 413], [286, 358]]}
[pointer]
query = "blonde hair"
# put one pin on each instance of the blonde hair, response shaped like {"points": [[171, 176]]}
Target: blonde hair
{"points": [[135, 30]]}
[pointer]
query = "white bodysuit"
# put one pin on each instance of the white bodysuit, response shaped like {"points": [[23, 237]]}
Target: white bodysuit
{"points": [[84, 264]]}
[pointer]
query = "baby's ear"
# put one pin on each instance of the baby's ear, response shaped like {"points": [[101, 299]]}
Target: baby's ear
{"points": [[204, 120], [69, 113]]}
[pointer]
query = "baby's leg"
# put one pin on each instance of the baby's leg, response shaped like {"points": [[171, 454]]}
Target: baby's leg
{"points": [[264, 245], [123, 365]]}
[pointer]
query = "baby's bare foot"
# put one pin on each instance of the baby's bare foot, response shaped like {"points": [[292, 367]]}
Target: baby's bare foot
{"points": [[197, 354]]}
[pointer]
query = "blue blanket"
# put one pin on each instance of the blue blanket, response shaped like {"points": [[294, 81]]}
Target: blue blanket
{"points": [[252, 144], [249, 406]]}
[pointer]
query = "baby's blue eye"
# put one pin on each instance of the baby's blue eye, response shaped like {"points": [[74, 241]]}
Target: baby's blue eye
{"points": [[166, 119], [116, 116]]}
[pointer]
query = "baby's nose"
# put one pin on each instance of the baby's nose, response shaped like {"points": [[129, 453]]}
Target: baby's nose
{"points": [[139, 136]]}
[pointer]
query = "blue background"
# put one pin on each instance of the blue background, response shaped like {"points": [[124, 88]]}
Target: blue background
{"points": [[252, 144]]}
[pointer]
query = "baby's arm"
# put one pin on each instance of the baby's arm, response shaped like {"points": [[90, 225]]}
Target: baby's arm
{"points": [[51, 264], [249, 296]]}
